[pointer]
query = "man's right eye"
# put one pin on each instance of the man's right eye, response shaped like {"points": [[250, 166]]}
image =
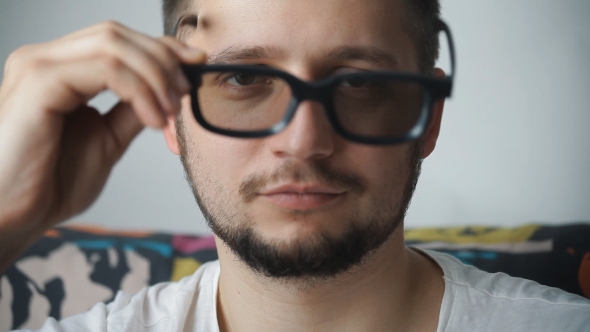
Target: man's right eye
{"points": [[241, 79], [246, 79], [357, 83]]}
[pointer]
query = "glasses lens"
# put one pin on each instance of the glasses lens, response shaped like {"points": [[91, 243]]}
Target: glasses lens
{"points": [[378, 107], [243, 101]]}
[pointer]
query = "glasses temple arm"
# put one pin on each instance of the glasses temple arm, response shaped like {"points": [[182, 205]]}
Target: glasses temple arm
{"points": [[442, 26]]}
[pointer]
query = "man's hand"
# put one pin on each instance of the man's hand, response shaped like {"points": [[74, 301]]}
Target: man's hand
{"points": [[56, 152]]}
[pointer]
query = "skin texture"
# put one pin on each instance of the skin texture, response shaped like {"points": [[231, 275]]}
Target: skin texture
{"points": [[302, 34]]}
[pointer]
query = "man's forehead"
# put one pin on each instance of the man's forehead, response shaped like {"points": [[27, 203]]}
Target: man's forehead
{"points": [[390, 12], [339, 29], [299, 11]]}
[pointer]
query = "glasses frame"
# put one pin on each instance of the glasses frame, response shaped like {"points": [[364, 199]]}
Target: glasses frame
{"points": [[321, 91]]}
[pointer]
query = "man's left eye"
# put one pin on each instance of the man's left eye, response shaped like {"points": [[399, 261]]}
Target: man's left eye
{"points": [[357, 83], [246, 79]]}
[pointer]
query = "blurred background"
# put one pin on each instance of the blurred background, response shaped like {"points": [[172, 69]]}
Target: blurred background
{"points": [[514, 145]]}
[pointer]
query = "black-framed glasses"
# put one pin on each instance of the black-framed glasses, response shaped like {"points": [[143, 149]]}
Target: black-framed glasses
{"points": [[376, 108]]}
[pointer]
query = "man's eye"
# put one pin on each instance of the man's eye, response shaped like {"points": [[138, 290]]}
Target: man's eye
{"points": [[357, 83], [242, 79], [245, 79]]}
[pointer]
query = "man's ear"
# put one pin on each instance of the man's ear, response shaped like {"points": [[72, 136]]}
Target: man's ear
{"points": [[170, 135], [433, 130]]}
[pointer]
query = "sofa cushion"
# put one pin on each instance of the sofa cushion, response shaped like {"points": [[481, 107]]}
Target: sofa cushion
{"points": [[71, 268]]}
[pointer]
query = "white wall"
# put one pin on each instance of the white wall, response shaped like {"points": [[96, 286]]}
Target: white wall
{"points": [[514, 143]]}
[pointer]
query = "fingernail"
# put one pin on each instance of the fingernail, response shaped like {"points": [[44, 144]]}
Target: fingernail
{"points": [[194, 50], [195, 54]]}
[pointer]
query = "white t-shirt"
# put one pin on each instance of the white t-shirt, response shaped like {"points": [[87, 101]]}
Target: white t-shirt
{"points": [[473, 301]]}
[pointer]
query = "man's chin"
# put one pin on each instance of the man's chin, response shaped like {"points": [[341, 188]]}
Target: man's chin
{"points": [[303, 253], [296, 230], [298, 225]]}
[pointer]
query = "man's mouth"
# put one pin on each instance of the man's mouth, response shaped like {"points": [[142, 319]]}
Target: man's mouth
{"points": [[302, 196]]}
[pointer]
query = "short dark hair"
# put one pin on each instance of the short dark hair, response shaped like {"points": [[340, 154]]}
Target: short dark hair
{"points": [[172, 10], [420, 24]]}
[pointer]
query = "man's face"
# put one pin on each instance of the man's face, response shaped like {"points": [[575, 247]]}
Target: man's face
{"points": [[304, 202]]}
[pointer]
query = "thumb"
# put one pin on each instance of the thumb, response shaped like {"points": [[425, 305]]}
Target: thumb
{"points": [[124, 126]]}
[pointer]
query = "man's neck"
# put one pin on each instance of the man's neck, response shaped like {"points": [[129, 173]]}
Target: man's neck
{"points": [[396, 289]]}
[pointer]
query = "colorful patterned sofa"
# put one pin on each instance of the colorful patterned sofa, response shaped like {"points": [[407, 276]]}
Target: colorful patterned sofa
{"points": [[72, 268]]}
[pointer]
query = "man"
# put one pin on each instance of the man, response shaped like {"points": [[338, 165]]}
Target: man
{"points": [[305, 185]]}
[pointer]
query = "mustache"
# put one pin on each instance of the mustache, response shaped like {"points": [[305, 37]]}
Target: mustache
{"points": [[313, 172]]}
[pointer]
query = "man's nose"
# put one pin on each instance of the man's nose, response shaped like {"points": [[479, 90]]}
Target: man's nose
{"points": [[309, 135]]}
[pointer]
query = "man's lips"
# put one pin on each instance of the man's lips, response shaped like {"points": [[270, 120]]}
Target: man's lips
{"points": [[302, 189], [302, 197]]}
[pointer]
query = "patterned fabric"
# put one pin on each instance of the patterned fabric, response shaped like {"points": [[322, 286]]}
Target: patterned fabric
{"points": [[72, 268], [555, 256]]}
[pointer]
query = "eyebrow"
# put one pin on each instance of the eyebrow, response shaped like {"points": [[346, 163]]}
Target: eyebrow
{"points": [[235, 54]]}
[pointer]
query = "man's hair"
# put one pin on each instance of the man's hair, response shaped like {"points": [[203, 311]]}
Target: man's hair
{"points": [[420, 24]]}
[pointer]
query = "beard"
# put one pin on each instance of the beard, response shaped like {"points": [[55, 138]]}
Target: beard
{"points": [[317, 256]]}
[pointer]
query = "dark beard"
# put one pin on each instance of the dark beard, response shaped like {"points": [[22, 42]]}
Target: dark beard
{"points": [[322, 256], [318, 256]]}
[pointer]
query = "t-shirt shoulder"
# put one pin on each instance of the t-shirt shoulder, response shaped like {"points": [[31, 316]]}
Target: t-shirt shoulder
{"points": [[498, 302], [166, 306], [169, 304]]}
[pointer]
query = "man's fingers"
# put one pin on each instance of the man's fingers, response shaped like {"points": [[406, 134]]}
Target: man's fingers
{"points": [[154, 73], [59, 151], [157, 70], [185, 53], [124, 124], [156, 61], [91, 77]]}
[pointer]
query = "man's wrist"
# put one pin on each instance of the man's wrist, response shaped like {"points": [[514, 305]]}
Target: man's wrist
{"points": [[13, 242]]}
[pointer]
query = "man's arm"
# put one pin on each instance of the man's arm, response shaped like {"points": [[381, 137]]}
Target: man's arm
{"points": [[56, 152]]}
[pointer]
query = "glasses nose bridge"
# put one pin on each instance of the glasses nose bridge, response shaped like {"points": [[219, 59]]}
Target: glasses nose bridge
{"points": [[313, 92], [309, 91]]}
